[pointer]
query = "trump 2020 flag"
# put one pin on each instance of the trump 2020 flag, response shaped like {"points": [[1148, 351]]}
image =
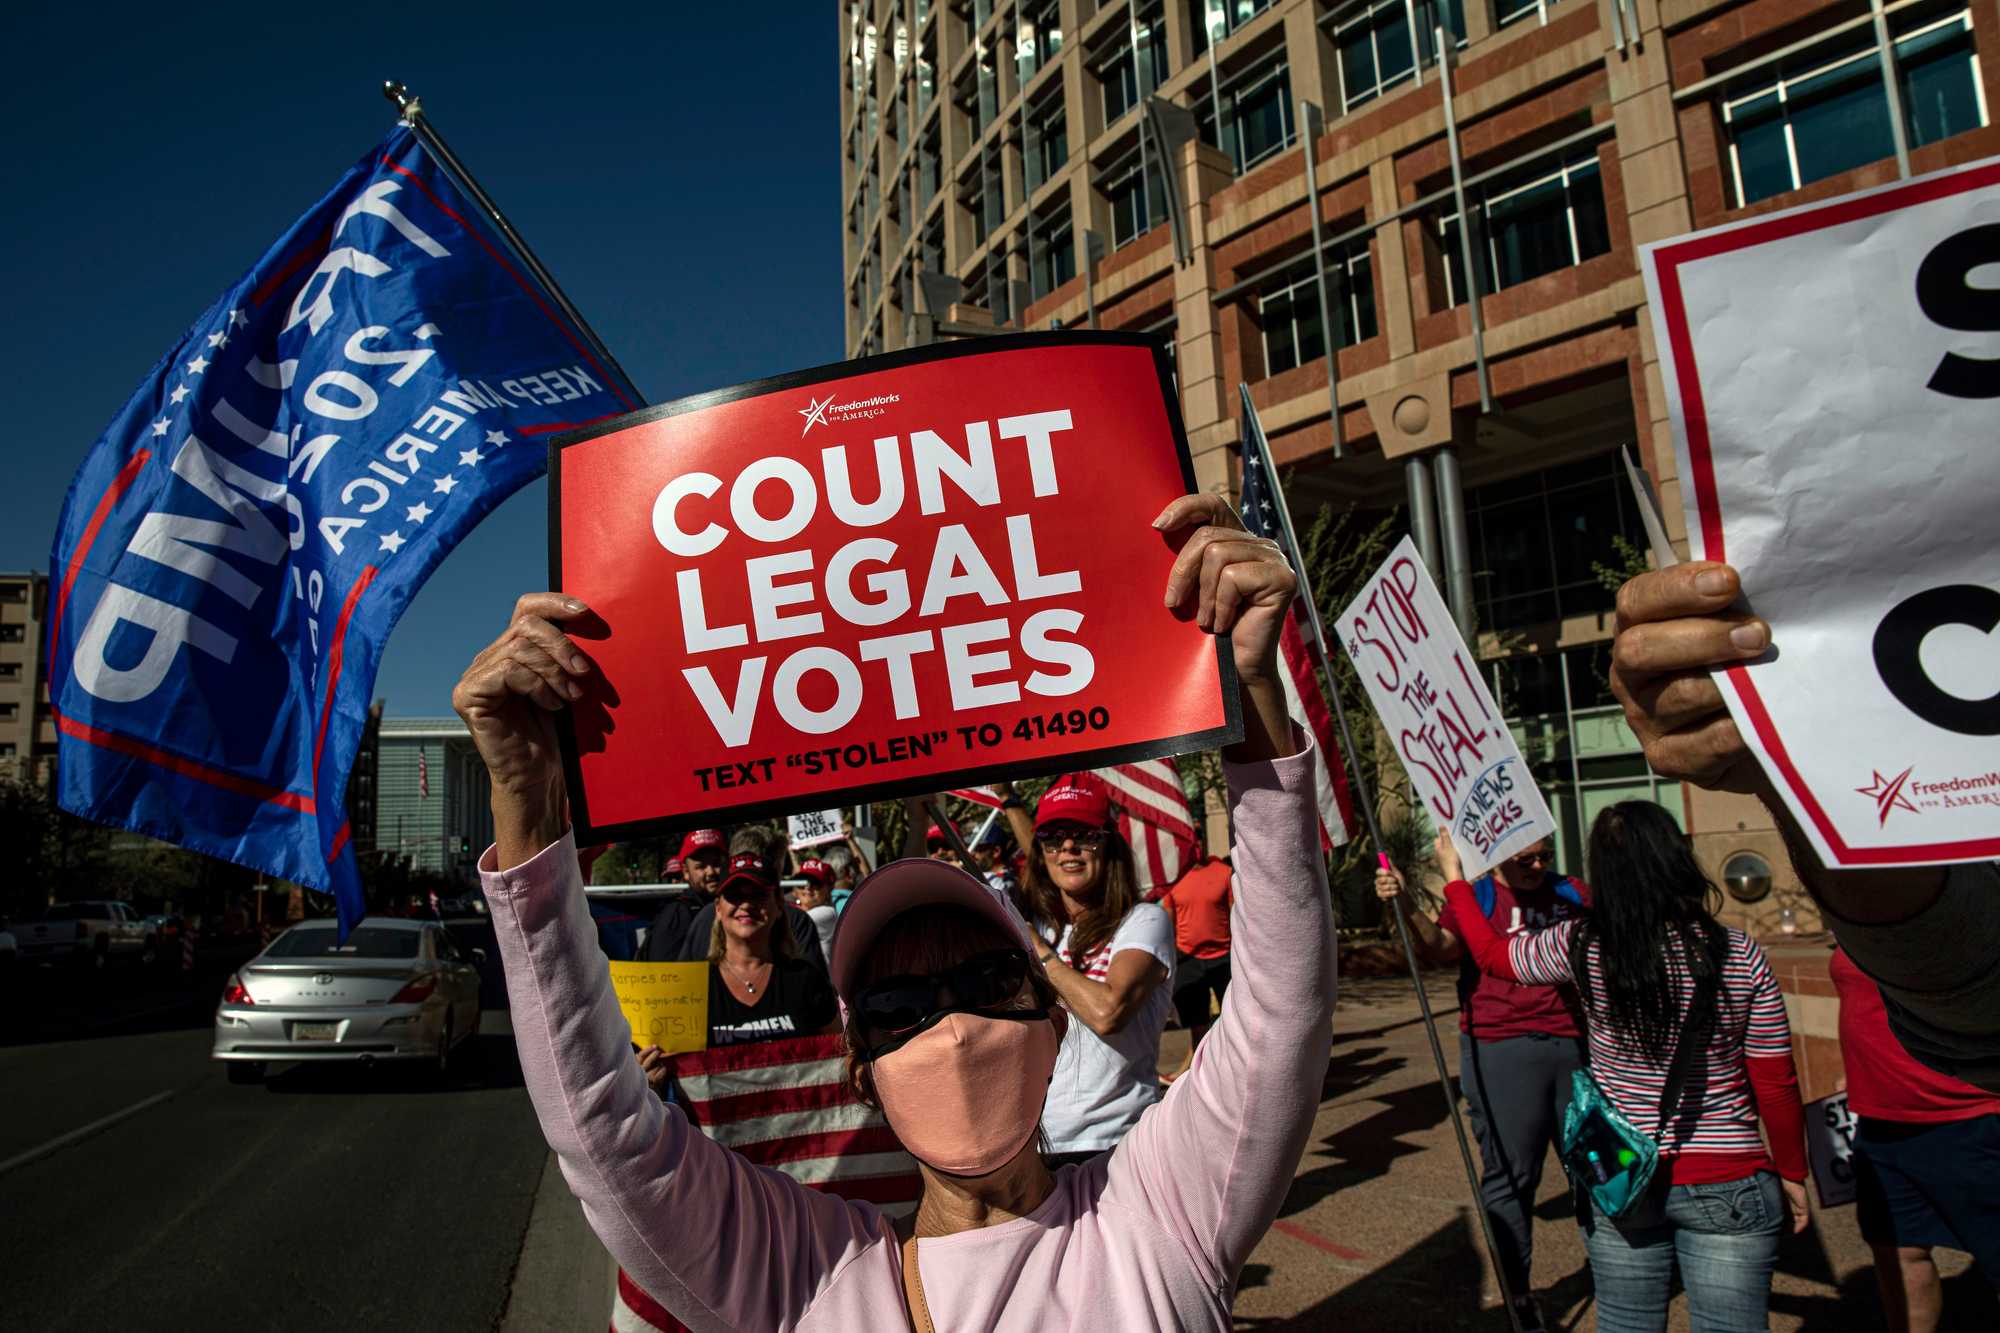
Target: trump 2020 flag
{"points": [[237, 546]]}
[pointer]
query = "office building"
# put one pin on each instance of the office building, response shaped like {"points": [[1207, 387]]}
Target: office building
{"points": [[27, 726], [432, 795], [1159, 165]]}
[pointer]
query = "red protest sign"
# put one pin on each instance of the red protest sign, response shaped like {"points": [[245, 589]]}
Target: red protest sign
{"points": [[900, 574]]}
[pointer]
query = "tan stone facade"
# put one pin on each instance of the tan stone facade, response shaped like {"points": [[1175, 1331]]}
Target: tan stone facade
{"points": [[27, 727], [1652, 100]]}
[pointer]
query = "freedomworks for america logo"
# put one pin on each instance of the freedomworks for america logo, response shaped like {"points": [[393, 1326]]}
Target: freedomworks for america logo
{"points": [[1902, 792], [826, 412]]}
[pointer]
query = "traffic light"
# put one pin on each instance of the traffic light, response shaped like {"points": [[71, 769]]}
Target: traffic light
{"points": [[464, 845]]}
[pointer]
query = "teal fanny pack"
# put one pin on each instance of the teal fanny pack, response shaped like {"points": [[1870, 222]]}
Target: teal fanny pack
{"points": [[1604, 1154]]}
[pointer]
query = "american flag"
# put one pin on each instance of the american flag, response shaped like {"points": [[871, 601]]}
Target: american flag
{"points": [[423, 774], [1305, 697], [976, 795], [1153, 817], [784, 1104]]}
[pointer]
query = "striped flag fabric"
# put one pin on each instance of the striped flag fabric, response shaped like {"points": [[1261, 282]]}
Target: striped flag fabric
{"points": [[976, 795], [786, 1105], [1305, 696], [1153, 817], [423, 774]]}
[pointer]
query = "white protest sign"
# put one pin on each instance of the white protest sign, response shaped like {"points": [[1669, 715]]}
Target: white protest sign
{"points": [[1832, 373], [813, 828], [1435, 706], [1830, 1143]]}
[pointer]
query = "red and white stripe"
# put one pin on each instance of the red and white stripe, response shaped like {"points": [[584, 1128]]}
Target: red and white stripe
{"points": [[423, 774], [785, 1105], [1305, 700], [1154, 818], [976, 795]]}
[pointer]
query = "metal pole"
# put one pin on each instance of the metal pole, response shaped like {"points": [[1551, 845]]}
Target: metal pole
{"points": [[1423, 511], [937, 816], [1464, 223], [1310, 120], [412, 110], [1457, 546], [1416, 52], [1255, 430], [1569, 739], [1093, 250], [1213, 11], [1886, 50]]}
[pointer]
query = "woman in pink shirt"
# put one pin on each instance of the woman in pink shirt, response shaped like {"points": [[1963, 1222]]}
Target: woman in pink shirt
{"points": [[953, 1033]]}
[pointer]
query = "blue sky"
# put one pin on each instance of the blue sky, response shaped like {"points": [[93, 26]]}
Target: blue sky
{"points": [[675, 167]]}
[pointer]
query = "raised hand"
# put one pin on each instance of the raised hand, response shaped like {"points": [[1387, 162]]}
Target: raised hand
{"points": [[1674, 628], [1240, 585], [508, 697]]}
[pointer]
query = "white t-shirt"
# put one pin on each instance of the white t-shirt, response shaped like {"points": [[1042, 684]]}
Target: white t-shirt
{"points": [[1103, 1084], [825, 918]]}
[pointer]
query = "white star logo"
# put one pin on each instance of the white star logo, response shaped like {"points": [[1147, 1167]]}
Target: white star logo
{"points": [[418, 512], [469, 458], [236, 318], [218, 340], [160, 427], [393, 542], [815, 412], [443, 485], [180, 392], [196, 366], [496, 437]]}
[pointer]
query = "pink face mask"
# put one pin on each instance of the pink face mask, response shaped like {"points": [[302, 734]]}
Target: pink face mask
{"points": [[965, 1096]]}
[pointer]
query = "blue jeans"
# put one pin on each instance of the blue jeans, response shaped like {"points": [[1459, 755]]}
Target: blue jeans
{"points": [[1724, 1236]]}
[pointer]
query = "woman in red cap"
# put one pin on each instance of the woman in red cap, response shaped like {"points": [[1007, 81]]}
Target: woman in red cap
{"points": [[953, 1030], [1110, 957]]}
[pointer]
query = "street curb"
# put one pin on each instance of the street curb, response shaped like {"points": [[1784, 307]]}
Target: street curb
{"points": [[563, 1279]]}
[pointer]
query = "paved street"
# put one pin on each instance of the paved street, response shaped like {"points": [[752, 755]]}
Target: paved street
{"points": [[333, 1198]]}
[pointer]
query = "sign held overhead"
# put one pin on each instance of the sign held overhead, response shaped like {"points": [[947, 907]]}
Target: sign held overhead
{"points": [[1425, 685], [881, 577]]}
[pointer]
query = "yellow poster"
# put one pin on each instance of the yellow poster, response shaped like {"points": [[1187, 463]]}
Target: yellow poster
{"points": [[666, 1003]]}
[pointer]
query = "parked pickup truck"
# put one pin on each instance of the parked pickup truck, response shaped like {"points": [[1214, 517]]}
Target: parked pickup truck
{"points": [[96, 932]]}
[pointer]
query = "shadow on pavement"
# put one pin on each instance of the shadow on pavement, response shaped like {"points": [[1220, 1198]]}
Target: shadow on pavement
{"points": [[1365, 1149]]}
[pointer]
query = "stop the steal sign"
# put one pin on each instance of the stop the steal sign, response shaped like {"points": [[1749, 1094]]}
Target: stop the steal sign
{"points": [[899, 574], [1833, 374]]}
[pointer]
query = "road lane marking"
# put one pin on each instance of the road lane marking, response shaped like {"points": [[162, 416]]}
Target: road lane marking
{"points": [[77, 1135], [1317, 1241]]}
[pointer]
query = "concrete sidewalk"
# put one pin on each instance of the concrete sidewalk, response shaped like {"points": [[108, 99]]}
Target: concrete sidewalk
{"points": [[1379, 1233]]}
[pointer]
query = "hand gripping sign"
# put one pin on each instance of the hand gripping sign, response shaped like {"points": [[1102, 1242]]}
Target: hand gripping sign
{"points": [[899, 574], [1832, 374], [1435, 706]]}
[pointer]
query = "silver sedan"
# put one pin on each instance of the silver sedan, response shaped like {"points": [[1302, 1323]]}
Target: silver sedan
{"points": [[394, 990]]}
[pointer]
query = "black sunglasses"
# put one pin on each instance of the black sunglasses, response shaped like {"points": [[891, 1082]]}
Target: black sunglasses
{"points": [[744, 891], [1088, 839], [1535, 858], [895, 1009]]}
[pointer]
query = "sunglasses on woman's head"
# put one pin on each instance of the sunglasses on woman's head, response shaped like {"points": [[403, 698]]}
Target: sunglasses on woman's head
{"points": [[1088, 839], [895, 1009]]}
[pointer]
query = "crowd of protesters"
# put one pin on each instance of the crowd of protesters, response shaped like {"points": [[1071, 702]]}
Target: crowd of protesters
{"points": [[1004, 1013]]}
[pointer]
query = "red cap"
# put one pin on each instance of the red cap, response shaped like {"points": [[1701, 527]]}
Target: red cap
{"points": [[700, 840], [674, 866], [935, 833], [1073, 805], [816, 870], [750, 866]]}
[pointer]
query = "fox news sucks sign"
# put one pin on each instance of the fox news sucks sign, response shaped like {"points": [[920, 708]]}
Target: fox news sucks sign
{"points": [[886, 576], [236, 547], [1437, 710]]}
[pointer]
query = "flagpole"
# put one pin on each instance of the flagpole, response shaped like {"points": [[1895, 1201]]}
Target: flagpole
{"points": [[411, 108], [1255, 438]]}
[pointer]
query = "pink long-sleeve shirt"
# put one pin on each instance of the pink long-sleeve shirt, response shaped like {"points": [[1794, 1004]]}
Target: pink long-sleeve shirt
{"points": [[1152, 1235]]}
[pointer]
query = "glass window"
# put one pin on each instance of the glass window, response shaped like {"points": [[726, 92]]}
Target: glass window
{"points": [[1509, 11], [1121, 93], [366, 941], [1054, 254], [1826, 111], [930, 168], [989, 90], [1554, 218], [927, 75], [1375, 47], [1288, 308], [1535, 540], [11, 633], [1151, 27], [1212, 20], [1038, 38], [1137, 198]]}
